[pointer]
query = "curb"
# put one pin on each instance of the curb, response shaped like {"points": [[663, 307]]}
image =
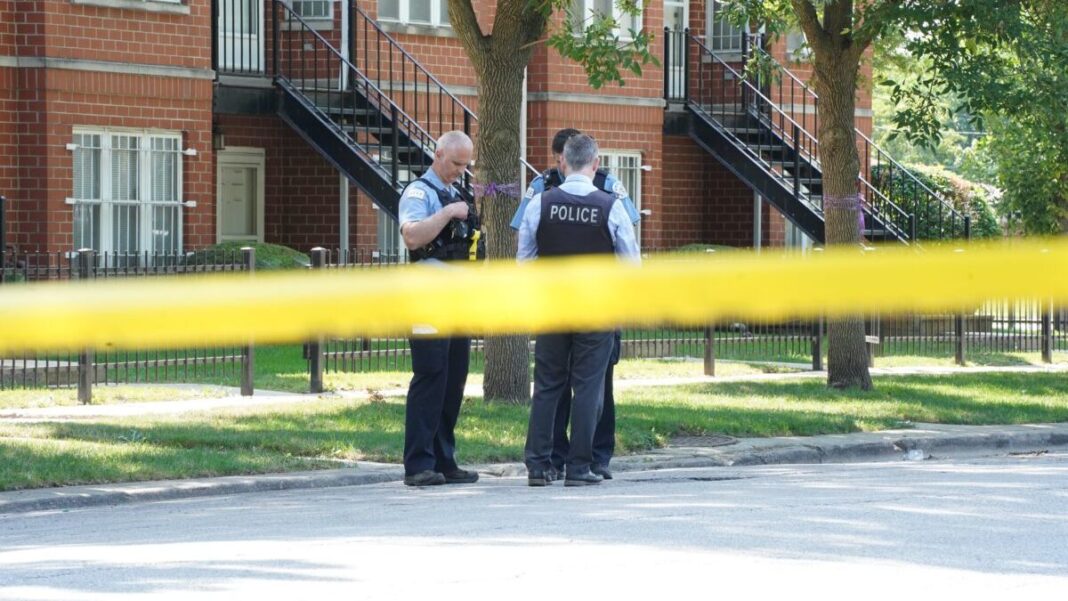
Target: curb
{"points": [[871, 447]]}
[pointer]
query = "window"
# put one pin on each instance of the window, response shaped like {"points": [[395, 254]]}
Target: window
{"points": [[584, 12], [314, 9], [127, 192], [391, 247], [797, 48], [415, 12], [722, 36], [627, 167]]}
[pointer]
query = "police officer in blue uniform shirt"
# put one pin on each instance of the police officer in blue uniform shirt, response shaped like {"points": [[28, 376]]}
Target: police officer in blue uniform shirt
{"points": [[604, 440], [437, 226], [574, 218]]}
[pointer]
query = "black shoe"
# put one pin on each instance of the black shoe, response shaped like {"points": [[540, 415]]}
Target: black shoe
{"points": [[584, 479], [459, 476], [602, 471], [555, 473], [425, 478], [538, 477]]}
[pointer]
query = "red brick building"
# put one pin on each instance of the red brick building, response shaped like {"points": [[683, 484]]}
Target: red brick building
{"points": [[168, 125]]}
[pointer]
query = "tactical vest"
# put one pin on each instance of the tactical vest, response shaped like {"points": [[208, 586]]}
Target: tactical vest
{"points": [[553, 179], [454, 242], [574, 225]]}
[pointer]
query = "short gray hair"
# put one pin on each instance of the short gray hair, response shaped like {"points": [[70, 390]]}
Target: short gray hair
{"points": [[454, 139], [580, 152]]}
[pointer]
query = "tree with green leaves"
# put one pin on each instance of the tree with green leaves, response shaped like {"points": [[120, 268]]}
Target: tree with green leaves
{"points": [[499, 52], [964, 43]]}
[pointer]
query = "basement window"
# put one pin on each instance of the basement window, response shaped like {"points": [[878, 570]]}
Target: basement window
{"points": [[432, 13]]}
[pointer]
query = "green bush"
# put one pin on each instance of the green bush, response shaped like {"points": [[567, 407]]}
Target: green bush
{"points": [[968, 198], [268, 256]]}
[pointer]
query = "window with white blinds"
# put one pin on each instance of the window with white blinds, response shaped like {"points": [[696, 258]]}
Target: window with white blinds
{"points": [[314, 9], [584, 12], [722, 36], [415, 12], [127, 192], [627, 167]]}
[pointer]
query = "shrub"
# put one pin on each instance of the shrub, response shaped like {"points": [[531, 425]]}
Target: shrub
{"points": [[968, 198]]}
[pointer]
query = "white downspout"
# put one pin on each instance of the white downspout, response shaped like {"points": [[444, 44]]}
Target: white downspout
{"points": [[523, 135], [343, 192]]}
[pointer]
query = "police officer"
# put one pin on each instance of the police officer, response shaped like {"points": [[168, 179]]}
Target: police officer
{"points": [[574, 218], [604, 441], [437, 226]]}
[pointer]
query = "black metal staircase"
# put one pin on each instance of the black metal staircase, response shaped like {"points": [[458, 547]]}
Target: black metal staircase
{"points": [[767, 138], [375, 115]]}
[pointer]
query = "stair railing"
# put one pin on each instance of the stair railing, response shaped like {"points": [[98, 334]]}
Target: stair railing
{"points": [[411, 86], [305, 62], [879, 170]]}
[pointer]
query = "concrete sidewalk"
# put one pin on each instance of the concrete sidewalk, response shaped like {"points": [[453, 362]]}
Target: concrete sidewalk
{"points": [[925, 441]]}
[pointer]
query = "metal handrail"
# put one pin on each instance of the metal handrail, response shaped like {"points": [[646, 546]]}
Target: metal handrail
{"points": [[393, 42], [881, 153]]}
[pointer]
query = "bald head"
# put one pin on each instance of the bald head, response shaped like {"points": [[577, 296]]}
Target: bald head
{"points": [[452, 156]]}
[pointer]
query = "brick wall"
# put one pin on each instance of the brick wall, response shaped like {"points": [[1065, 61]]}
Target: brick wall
{"points": [[302, 188], [126, 35]]}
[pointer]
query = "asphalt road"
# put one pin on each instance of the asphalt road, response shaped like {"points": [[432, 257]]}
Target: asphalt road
{"points": [[971, 529]]}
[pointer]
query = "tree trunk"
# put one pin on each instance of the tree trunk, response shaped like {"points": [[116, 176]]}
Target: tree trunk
{"points": [[836, 84], [507, 373]]}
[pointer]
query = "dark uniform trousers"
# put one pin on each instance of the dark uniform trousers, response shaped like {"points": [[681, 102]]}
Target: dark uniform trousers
{"points": [[434, 397], [604, 437], [585, 356]]}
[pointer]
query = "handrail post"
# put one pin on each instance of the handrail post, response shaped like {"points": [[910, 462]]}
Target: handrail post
{"points": [[686, 64], [912, 226], [275, 34], [797, 162], [215, 37], [3, 226], [394, 168], [248, 352], [967, 227], [667, 65], [315, 347], [85, 357]]}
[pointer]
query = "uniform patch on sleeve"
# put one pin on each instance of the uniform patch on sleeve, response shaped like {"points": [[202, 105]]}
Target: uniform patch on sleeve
{"points": [[530, 193], [416, 193], [618, 189]]}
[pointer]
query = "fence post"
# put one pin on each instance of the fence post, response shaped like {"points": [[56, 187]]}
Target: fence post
{"points": [[85, 357], [817, 344], [710, 351], [248, 352], [667, 66], [315, 347], [1047, 333], [958, 331]]}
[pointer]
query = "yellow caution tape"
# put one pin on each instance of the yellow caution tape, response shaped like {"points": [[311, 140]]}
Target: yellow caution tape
{"points": [[503, 297]]}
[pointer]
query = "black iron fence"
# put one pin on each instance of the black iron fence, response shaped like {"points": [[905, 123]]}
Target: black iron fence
{"points": [[995, 332], [89, 367]]}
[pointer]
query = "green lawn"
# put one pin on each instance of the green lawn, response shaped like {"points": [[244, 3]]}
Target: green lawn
{"points": [[325, 433]]}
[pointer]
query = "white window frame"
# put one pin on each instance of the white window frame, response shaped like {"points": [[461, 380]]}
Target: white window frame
{"points": [[387, 232], [144, 187], [404, 15], [329, 16], [611, 160], [715, 42], [617, 14], [684, 5]]}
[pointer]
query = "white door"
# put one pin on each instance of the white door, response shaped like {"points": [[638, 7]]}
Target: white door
{"points": [[677, 19], [240, 195], [240, 36]]}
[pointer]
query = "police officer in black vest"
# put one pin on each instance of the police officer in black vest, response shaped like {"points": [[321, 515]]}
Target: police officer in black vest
{"points": [[437, 226], [574, 218], [604, 440]]}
